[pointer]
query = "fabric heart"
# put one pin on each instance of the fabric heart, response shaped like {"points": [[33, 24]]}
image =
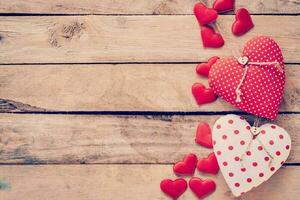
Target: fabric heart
{"points": [[209, 164], [187, 166], [174, 188], [203, 68], [222, 6], [204, 15], [210, 38], [202, 94], [246, 157], [243, 22], [262, 87], [203, 135], [202, 188]]}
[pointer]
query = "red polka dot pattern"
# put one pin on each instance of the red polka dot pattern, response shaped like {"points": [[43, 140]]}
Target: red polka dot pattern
{"points": [[281, 136], [267, 158], [263, 87], [272, 168], [247, 161]]}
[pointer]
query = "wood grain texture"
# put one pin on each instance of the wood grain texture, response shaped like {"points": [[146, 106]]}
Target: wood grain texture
{"points": [[105, 182], [130, 87], [137, 6], [86, 39], [66, 139]]}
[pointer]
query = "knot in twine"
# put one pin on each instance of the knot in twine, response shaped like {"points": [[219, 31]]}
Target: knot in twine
{"points": [[245, 62], [255, 131]]}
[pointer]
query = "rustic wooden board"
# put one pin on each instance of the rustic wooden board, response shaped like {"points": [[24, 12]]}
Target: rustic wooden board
{"points": [[94, 182], [86, 39], [137, 6], [130, 87], [65, 139]]}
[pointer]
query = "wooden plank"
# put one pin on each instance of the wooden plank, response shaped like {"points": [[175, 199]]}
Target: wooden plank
{"points": [[65, 139], [130, 87], [85, 39], [93, 182], [137, 6]]}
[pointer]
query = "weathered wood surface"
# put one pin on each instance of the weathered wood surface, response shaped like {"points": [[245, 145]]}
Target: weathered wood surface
{"points": [[65, 139], [86, 39], [105, 182], [137, 6], [114, 146], [130, 87]]}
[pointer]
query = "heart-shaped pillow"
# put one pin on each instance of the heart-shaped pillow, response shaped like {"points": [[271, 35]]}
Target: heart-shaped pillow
{"points": [[247, 160], [263, 85]]}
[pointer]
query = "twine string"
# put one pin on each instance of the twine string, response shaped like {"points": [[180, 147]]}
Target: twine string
{"points": [[254, 137], [238, 91], [244, 61]]}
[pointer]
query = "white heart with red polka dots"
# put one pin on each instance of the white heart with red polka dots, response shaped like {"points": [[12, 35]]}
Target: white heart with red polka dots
{"points": [[246, 160]]}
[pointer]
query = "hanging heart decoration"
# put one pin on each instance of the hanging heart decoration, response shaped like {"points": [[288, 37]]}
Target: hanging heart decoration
{"points": [[248, 156], [253, 83]]}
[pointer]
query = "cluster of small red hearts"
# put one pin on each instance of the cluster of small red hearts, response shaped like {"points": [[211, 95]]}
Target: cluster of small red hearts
{"points": [[200, 187], [202, 94], [206, 16]]}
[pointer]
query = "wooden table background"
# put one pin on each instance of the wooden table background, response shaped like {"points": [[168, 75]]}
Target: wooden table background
{"points": [[96, 102]]}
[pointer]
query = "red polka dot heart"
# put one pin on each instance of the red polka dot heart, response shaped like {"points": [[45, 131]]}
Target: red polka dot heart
{"points": [[261, 86], [248, 157]]}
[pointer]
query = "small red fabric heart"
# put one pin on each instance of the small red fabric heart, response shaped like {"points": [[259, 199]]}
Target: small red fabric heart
{"points": [[222, 6], [210, 38], [263, 86], [209, 164], [204, 15], [202, 94], [203, 135], [174, 188], [203, 68], [202, 188], [187, 166], [243, 22]]}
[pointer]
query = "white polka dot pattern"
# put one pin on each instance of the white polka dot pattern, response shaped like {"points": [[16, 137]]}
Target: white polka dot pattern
{"points": [[246, 161], [263, 87]]}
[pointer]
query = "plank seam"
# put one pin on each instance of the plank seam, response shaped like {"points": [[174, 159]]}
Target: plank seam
{"points": [[117, 163], [141, 113], [120, 63], [128, 14]]}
